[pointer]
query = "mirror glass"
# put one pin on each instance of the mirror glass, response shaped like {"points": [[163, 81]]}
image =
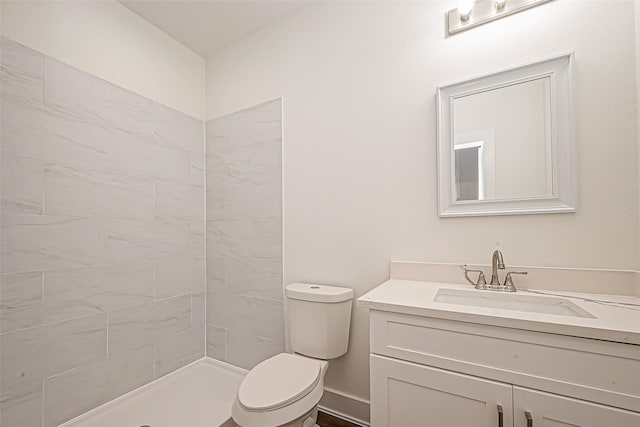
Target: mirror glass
{"points": [[506, 142], [502, 143]]}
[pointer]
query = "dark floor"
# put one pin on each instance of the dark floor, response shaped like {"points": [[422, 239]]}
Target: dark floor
{"points": [[326, 420]]}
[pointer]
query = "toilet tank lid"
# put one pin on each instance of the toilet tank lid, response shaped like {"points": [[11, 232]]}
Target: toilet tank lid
{"points": [[318, 293]]}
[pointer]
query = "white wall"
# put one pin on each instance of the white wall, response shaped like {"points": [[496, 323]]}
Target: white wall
{"points": [[106, 39], [637, 22], [358, 85]]}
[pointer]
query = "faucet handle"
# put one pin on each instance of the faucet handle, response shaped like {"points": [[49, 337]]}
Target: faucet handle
{"points": [[481, 283], [508, 281]]}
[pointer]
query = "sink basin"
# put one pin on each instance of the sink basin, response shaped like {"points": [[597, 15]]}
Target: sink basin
{"points": [[518, 302]]}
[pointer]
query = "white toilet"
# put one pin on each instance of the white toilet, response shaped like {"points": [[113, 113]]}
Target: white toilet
{"points": [[285, 389]]}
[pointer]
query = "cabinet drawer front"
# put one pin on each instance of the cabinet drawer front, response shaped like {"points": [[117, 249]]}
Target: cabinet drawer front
{"points": [[588, 369], [548, 410], [405, 394]]}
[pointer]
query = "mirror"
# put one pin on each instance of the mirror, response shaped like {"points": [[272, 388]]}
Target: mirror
{"points": [[506, 142]]}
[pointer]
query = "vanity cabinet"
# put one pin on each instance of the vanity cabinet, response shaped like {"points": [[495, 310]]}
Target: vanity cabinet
{"points": [[434, 372], [407, 394], [552, 410]]}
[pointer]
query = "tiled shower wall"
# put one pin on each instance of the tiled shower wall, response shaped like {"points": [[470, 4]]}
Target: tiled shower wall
{"points": [[244, 235], [103, 234]]}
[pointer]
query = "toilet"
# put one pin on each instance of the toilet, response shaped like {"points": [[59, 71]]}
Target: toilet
{"points": [[284, 390]]}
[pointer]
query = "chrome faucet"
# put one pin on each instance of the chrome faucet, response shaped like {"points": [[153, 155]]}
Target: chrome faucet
{"points": [[497, 262]]}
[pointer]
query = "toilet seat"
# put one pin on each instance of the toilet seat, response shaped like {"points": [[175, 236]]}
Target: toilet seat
{"points": [[279, 381], [301, 399]]}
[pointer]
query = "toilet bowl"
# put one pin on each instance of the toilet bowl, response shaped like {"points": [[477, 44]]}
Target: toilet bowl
{"points": [[284, 390], [281, 391]]}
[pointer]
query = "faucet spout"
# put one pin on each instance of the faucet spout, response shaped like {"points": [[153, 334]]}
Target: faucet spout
{"points": [[497, 262]]}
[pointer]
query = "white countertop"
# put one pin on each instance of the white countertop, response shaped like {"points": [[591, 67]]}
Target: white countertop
{"points": [[617, 318]]}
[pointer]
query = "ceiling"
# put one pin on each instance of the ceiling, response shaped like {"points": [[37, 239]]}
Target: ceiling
{"points": [[207, 26]]}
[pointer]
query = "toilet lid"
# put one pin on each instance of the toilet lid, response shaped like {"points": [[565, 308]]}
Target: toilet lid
{"points": [[278, 381]]}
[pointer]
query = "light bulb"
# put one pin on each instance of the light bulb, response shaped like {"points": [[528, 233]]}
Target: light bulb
{"points": [[464, 9]]}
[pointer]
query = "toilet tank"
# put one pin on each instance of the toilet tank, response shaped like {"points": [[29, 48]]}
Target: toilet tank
{"points": [[318, 317]]}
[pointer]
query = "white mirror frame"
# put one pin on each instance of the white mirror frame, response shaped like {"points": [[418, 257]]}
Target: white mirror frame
{"points": [[563, 146]]}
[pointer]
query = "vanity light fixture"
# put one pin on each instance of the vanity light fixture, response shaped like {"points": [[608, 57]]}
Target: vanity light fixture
{"points": [[471, 14]]}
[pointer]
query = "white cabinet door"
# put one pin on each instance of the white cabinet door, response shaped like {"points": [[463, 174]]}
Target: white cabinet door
{"points": [[550, 410], [404, 394]]}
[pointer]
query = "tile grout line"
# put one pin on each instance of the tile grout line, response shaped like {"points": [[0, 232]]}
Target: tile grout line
{"points": [[85, 316], [43, 405], [206, 279], [107, 346]]}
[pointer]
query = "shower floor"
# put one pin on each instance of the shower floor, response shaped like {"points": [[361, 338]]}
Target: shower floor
{"points": [[197, 395]]}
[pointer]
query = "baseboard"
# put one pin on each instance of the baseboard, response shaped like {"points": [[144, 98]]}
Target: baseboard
{"points": [[346, 406]]}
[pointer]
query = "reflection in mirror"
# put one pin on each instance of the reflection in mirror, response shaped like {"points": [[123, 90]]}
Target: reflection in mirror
{"points": [[502, 142], [469, 166], [506, 142]]}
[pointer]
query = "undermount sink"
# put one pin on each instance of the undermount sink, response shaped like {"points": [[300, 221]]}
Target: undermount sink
{"points": [[518, 302]]}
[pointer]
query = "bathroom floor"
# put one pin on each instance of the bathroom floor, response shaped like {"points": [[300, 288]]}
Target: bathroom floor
{"points": [[326, 420]]}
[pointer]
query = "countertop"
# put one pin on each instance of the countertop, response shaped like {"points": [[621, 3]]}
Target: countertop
{"points": [[616, 318]]}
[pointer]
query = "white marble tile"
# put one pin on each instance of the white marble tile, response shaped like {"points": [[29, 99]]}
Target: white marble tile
{"points": [[267, 279], [138, 240], [197, 241], [21, 72], [229, 311], [216, 128], [54, 136], [238, 238], [216, 274], [267, 319], [147, 159], [257, 163], [239, 201], [96, 100], [179, 202], [179, 276], [267, 239], [198, 171], [33, 242], [82, 192], [216, 232], [72, 293], [20, 185], [262, 123], [131, 328], [178, 130], [30, 355], [244, 234], [134, 327], [215, 204], [198, 309], [172, 315], [253, 201], [216, 342], [247, 350], [216, 166], [72, 393], [238, 275], [20, 300], [22, 410], [254, 277], [239, 313], [177, 350]]}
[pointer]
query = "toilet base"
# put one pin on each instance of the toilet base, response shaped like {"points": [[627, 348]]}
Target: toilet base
{"points": [[307, 420]]}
